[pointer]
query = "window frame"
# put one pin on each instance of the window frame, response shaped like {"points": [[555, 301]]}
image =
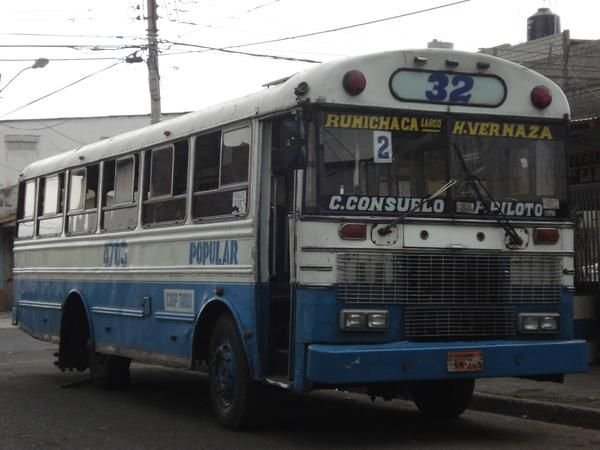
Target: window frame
{"points": [[170, 198], [222, 188], [59, 211], [84, 211], [21, 217], [132, 204], [116, 179], [171, 149]]}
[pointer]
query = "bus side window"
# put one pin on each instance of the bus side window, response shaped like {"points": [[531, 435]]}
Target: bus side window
{"points": [[221, 174], [25, 209], [83, 200], [50, 205], [119, 193], [165, 184]]}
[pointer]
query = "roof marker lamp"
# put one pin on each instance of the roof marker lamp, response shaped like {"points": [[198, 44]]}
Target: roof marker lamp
{"points": [[354, 82], [541, 97], [363, 320]]}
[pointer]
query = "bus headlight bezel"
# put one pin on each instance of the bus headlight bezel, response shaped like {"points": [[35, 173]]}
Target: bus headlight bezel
{"points": [[539, 323], [363, 320]]}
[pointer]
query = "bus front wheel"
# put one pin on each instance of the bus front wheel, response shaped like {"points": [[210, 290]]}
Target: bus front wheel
{"points": [[109, 371], [232, 391], [442, 399]]}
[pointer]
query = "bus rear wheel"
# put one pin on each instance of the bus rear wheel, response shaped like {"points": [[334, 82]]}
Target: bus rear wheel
{"points": [[232, 391], [109, 371], [442, 399]]}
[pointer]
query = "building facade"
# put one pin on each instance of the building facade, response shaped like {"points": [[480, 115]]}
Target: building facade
{"points": [[575, 66], [25, 141]]}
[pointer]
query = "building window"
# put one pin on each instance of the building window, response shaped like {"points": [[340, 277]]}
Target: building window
{"points": [[221, 173], [26, 142]]}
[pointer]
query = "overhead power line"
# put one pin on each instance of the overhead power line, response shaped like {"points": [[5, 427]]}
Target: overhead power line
{"points": [[117, 36], [75, 46], [61, 89], [239, 52], [99, 58], [347, 27], [229, 48]]}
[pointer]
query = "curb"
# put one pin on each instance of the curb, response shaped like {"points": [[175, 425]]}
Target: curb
{"points": [[537, 410]]}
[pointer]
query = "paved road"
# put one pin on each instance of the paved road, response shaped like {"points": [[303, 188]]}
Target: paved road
{"points": [[167, 409]]}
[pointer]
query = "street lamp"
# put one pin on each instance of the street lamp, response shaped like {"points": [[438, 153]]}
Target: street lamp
{"points": [[39, 63]]}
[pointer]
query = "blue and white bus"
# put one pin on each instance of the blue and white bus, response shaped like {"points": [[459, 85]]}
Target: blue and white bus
{"points": [[395, 222]]}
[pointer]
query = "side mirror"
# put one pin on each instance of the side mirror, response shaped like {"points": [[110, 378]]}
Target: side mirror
{"points": [[291, 154]]}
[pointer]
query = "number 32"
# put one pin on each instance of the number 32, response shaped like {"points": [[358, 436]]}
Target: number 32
{"points": [[459, 93]]}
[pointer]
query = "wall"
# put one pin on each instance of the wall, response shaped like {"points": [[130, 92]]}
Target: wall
{"points": [[25, 141], [575, 66], [571, 63]]}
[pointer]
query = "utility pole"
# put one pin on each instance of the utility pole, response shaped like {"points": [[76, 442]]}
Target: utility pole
{"points": [[153, 75]]}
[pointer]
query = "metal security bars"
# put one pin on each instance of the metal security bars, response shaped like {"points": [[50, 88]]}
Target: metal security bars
{"points": [[586, 203]]}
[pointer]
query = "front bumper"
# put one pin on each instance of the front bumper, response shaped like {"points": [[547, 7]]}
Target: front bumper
{"points": [[406, 361]]}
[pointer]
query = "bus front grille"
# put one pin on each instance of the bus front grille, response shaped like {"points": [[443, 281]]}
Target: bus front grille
{"points": [[448, 278], [460, 322]]}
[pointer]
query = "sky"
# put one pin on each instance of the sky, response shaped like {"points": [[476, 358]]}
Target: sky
{"points": [[86, 43]]}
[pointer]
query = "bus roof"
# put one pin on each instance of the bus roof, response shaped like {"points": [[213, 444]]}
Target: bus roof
{"points": [[325, 87]]}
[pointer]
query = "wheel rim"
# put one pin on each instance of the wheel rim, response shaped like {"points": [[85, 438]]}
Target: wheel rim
{"points": [[224, 374]]}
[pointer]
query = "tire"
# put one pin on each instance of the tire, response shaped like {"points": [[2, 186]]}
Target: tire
{"points": [[109, 371], [232, 391], [442, 399]]}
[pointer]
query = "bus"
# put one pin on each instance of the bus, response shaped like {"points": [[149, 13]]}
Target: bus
{"points": [[395, 224]]}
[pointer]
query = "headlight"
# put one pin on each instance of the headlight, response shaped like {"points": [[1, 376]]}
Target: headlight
{"points": [[354, 320], [539, 323], [549, 323], [363, 320], [377, 320]]}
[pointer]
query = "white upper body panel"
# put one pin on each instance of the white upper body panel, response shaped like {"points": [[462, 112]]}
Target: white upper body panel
{"points": [[325, 87]]}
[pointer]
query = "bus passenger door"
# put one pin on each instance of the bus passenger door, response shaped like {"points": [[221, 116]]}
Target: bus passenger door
{"points": [[281, 182]]}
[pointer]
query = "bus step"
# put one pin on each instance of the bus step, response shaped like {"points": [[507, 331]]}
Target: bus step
{"points": [[281, 381], [279, 361]]}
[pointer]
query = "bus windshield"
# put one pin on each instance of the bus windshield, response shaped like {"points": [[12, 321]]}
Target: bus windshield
{"points": [[385, 164]]}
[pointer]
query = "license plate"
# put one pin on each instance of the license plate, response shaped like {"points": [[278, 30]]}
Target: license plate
{"points": [[471, 361]]}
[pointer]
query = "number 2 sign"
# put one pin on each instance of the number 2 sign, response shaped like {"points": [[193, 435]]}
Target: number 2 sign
{"points": [[382, 146]]}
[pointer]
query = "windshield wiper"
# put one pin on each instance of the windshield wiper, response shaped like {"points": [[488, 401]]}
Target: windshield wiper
{"points": [[476, 183], [384, 231]]}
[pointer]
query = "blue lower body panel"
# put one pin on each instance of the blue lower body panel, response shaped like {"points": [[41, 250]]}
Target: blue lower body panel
{"points": [[406, 361]]}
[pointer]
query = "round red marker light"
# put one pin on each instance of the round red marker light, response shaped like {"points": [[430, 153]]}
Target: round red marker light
{"points": [[354, 82], [541, 97]]}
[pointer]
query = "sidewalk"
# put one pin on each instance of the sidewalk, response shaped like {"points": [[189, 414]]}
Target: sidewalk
{"points": [[5, 320], [576, 402]]}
